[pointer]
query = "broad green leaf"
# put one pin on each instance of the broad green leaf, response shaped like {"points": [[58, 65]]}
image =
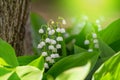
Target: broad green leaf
{"points": [[105, 50], [105, 53], [24, 60], [3, 63], [116, 45], [5, 73], [78, 49], [14, 76], [6, 76], [77, 73], [72, 61], [29, 73], [8, 53], [109, 69], [111, 33], [36, 22], [39, 63]]}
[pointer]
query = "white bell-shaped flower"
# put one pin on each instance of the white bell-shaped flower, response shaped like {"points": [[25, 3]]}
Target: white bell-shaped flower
{"points": [[53, 41], [90, 50], [39, 46], [86, 42], [51, 47], [46, 65], [42, 43], [53, 56], [56, 55], [62, 30], [52, 61], [41, 31], [58, 30], [47, 40], [48, 58], [94, 35], [95, 41], [58, 46], [59, 39], [44, 54]]}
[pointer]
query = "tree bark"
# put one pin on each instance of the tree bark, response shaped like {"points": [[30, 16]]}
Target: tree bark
{"points": [[13, 18]]}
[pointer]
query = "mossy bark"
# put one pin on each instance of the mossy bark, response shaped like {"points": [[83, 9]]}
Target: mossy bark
{"points": [[13, 18]]}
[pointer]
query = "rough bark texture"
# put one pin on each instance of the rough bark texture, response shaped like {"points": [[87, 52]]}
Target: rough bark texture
{"points": [[13, 17]]}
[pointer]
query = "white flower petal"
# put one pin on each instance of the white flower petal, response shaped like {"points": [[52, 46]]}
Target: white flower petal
{"points": [[53, 41], [90, 50], [41, 31], [58, 46], [42, 43], [51, 47], [48, 58], [59, 39], [46, 65], [62, 30], [44, 54], [94, 35], [39, 46], [58, 30], [86, 42], [47, 40], [95, 41]]}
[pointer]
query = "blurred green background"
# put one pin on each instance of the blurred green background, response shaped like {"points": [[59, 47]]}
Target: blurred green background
{"points": [[72, 10]]}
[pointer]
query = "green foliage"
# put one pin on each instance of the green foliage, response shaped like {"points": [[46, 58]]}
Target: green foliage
{"points": [[8, 54], [76, 62], [77, 73], [10, 68], [109, 70], [73, 61], [111, 34], [24, 60]]}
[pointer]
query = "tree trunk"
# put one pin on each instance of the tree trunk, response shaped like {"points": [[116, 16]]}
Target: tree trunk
{"points": [[13, 18]]}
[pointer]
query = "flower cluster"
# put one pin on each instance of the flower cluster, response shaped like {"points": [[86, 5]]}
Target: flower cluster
{"points": [[93, 43], [98, 25], [50, 43]]}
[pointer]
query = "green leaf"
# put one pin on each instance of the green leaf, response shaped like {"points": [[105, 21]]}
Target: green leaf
{"points": [[4, 71], [105, 53], [3, 63], [116, 45], [39, 63], [14, 76], [8, 53], [24, 60], [72, 61], [77, 73], [78, 49], [105, 50], [36, 22], [6, 76], [29, 73], [109, 69], [111, 33]]}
